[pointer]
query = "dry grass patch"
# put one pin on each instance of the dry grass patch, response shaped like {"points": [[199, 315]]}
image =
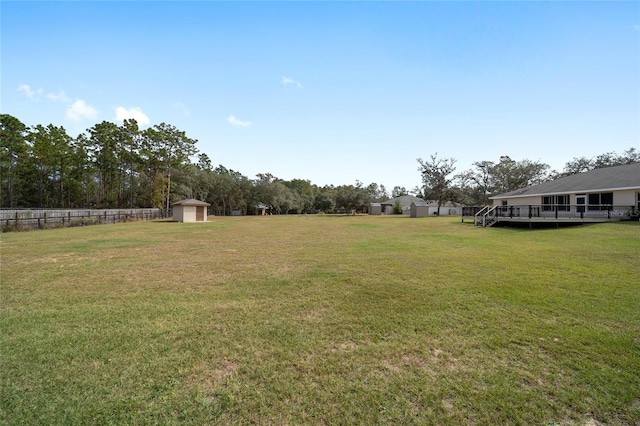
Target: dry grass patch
{"points": [[208, 377]]}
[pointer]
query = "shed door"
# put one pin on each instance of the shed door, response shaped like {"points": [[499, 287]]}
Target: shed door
{"points": [[200, 214]]}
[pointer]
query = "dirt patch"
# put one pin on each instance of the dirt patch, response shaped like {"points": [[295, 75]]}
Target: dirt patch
{"points": [[447, 405], [346, 346], [208, 376], [314, 315]]}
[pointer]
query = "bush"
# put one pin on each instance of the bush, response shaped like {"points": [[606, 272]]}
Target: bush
{"points": [[633, 213], [397, 207]]}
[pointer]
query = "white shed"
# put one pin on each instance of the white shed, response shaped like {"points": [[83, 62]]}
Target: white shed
{"points": [[430, 208], [190, 211]]}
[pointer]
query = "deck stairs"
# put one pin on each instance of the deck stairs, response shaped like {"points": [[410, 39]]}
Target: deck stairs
{"points": [[485, 217]]}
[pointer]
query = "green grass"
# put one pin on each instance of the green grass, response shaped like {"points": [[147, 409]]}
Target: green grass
{"points": [[320, 320]]}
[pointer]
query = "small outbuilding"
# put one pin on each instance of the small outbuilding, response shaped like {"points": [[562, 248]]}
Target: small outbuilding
{"points": [[190, 211], [388, 207], [261, 209], [375, 208], [419, 209], [430, 208]]}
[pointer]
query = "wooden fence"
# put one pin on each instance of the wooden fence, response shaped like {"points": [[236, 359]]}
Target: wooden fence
{"points": [[28, 219]]}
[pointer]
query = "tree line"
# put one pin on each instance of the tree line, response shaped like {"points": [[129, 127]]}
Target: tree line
{"points": [[123, 166]]}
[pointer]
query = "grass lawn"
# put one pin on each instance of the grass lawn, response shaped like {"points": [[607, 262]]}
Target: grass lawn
{"points": [[320, 320]]}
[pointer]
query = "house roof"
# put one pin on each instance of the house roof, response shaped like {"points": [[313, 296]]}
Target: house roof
{"points": [[405, 200], [434, 204], [190, 202], [606, 179]]}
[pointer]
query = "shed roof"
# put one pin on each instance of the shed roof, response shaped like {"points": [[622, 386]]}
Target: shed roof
{"points": [[405, 200], [613, 178], [190, 202], [435, 204]]}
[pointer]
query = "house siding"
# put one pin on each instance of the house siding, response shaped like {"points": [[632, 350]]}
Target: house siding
{"points": [[188, 214], [625, 198], [178, 213], [419, 211], [620, 198], [184, 213], [375, 209], [445, 211]]}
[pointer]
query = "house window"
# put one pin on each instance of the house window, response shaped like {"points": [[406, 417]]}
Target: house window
{"points": [[600, 201], [555, 202], [563, 202], [638, 200]]}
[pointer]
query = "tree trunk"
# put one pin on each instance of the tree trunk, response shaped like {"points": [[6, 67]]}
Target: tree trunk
{"points": [[168, 189]]}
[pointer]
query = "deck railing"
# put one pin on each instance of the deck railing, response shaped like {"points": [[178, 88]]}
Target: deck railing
{"points": [[561, 211], [471, 211]]}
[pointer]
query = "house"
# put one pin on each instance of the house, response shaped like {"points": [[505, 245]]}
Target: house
{"points": [[387, 207], [597, 195], [430, 208], [375, 208], [190, 211]]}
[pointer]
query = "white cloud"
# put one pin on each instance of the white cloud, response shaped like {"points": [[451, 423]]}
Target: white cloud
{"points": [[60, 96], [136, 113], [80, 110], [286, 81], [30, 93], [236, 122]]}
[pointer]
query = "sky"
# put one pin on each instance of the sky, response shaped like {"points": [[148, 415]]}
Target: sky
{"points": [[335, 92]]}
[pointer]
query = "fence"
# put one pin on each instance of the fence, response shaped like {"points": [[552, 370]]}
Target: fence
{"points": [[27, 219]]}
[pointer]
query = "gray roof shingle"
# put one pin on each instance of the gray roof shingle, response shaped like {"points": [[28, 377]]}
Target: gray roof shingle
{"points": [[190, 202], [606, 179], [405, 200]]}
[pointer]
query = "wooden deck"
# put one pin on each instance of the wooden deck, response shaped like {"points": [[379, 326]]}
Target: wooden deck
{"points": [[532, 214]]}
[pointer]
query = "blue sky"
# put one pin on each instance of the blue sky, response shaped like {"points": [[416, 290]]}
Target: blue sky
{"points": [[336, 92]]}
